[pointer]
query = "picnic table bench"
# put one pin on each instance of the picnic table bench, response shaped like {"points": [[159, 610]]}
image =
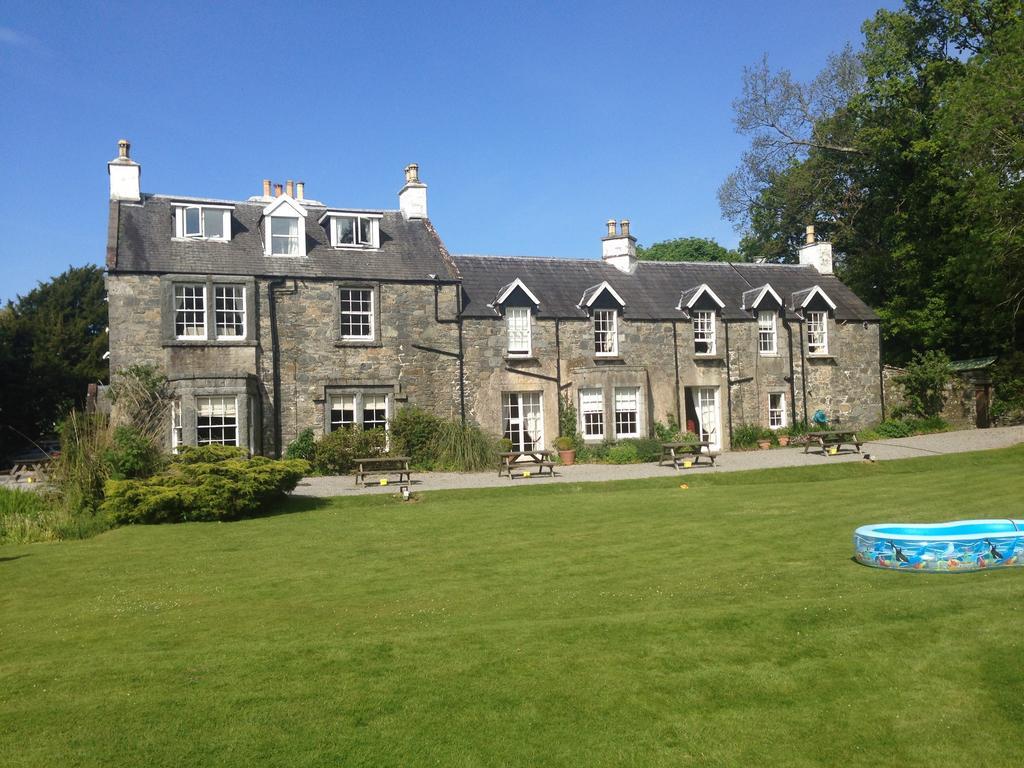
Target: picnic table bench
{"points": [[676, 453], [526, 463], [386, 466], [832, 439]]}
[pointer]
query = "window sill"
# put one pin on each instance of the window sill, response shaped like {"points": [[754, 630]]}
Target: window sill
{"points": [[357, 343], [209, 343], [356, 247], [709, 358], [521, 359], [608, 359], [198, 239], [769, 354], [825, 356]]}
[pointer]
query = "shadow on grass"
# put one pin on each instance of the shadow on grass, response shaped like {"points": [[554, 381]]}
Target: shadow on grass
{"points": [[13, 557], [293, 505]]}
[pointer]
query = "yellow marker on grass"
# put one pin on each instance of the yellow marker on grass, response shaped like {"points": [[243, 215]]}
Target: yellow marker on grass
{"points": [[383, 481]]}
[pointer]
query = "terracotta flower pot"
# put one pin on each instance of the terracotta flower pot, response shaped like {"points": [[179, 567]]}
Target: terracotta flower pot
{"points": [[764, 445], [783, 440], [568, 457]]}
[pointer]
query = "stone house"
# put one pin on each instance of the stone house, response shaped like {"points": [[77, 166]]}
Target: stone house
{"points": [[277, 313]]}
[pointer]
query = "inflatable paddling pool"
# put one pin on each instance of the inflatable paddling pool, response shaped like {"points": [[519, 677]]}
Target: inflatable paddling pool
{"points": [[964, 545]]}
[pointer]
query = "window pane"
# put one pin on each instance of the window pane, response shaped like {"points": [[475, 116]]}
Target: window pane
{"points": [[346, 231], [604, 332], [190, 311], [216, 421], [766, 332], [356, 313], [229, 306], [343, 412], [627, 401], [704, 332], [213, 222], [375, 411], [518, 323], [592, 409], [364, 231], [284, 232], [192, 227]]}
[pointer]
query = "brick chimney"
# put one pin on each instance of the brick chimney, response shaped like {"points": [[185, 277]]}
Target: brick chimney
{"points": [[124, 174], [817, 254], [412, 198], [619, 248]]}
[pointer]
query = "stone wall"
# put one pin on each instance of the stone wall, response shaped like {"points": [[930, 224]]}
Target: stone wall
{"points": [[961, 407]]}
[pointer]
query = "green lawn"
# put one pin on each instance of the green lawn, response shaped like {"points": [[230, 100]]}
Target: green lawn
{"points": [[620, 624]]}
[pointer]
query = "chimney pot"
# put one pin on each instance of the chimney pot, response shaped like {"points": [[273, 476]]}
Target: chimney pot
{"points": [[412, 173], [412, 198], [125, 174], [625, 227], [611, 227], [289, 188], [809, 236], [300, 190], [277, 190], [266, 187], [124, 149]]}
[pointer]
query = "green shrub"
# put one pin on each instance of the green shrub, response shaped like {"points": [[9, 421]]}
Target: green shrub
{"points": [[595, 453], [1008, 390], [567, 424], [623, 452], [648, 450], [412, 429], [226, 488], [209, 454], [81, 469], [302, 447], [746, 436], [132, 455], [27, 516], [924, 383], [458, 448], [891, 428], [335, 454]]}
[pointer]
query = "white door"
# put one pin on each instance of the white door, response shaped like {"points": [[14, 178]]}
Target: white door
{"points": [[708, 413], [523, 420]]}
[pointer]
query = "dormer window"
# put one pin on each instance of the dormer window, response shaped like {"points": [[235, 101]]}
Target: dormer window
{"points": [[703, 331], [817, 333], [517, 303], [284, 228], [517, 321], [284, 236], [353, 230], [202, 222], [606, 333], [767, 335]]}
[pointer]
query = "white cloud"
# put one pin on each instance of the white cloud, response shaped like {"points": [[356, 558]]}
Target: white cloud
{"points": [[18, 39]]}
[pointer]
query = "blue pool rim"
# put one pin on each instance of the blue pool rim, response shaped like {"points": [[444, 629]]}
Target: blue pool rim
{"points": [[958, 546]]}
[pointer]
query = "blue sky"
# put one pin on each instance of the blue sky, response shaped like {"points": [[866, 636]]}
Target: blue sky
{"points": [[532, 122]]}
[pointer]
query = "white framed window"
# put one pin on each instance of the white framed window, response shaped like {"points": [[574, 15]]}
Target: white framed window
{"points": [[357, 314], [627, 412], [703, 332], [190, 311], [284, 236], [767, 335], [817, 333], [355, 231], [592, 413], [522, 419], [229, 311], [177, 436], [351, 409], [203, 222], [216, 421], [517, 324], [776, 410], [342, 412], [606, 333]]}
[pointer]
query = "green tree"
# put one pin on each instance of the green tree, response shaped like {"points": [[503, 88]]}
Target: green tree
{"points": [[52, 343], [686, 249]]}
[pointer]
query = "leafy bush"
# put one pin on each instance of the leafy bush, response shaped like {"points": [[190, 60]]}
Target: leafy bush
{"points": [[27, 516], [335, 454], [667, 433], [412, 429], [222, 487], [565, 444], [567, 424], [924, 383], [891, 428], [1008, 390], [459, 448], [623, 453], [746, 436], [648, 450], [302, 447], [595, 453], [132, 454]]}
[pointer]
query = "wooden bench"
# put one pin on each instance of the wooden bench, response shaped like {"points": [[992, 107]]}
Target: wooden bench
{"points": [[677, 453], [385, 468], [833, 439], [525, 464]]}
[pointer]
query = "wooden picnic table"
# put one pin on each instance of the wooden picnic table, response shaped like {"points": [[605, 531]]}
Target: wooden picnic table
{"points": [[836, 438], [526, 462], [395, 466], [676, 452]]}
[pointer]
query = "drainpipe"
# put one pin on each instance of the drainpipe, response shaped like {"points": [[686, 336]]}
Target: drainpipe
{"points": [[461, 356], [792, 370], [803, 372], [728, 377], [558, 374], [881, 373], [275, 360], [675, 353]]}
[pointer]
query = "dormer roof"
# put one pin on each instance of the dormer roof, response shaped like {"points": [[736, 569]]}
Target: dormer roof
{"points": [[282, 201], [591, 294], [752, 299], [690, 297], [506, 291], [802, 298]]}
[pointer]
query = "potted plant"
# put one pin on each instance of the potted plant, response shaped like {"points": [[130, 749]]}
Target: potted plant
{"points": [[764, 439], [783, 435], [566, 448]]}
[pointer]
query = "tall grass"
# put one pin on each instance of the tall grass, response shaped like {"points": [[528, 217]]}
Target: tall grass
{"points": [[30, 516], [459, 448]]}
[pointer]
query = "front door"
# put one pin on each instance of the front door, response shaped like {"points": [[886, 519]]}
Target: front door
{"points": [[523, 420], [704, 401]]}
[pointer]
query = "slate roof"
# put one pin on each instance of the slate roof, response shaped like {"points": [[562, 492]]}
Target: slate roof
{"points": [[409, 250], [651, 292]]}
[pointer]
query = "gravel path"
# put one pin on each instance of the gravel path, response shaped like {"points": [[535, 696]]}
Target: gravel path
{"points": [[901, 448]]}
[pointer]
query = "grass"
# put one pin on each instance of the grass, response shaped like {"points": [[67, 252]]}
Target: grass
{"points": [[625, 624]]}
